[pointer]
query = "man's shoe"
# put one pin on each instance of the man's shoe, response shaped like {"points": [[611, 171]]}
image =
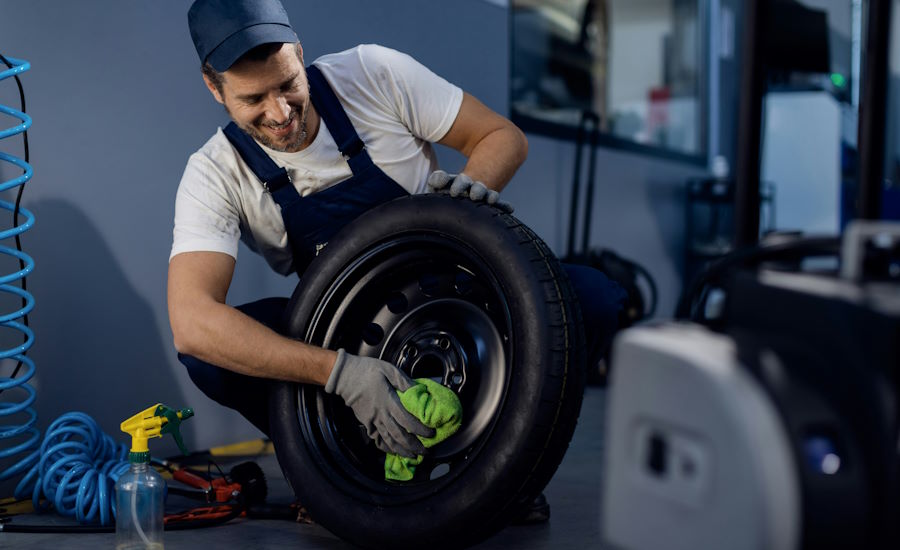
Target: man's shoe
{"points": [[536, 512]]}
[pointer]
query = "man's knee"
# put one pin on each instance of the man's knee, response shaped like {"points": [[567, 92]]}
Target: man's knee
{"points": [[601, 300], [205, 376], [246, 394], [600, 297]]}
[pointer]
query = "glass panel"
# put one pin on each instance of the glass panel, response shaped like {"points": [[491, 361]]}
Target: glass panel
{"points": [[635, 63], [891, 196], [810, 117]]}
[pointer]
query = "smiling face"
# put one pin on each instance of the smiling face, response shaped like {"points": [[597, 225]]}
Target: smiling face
{"points": [[269, 98]]}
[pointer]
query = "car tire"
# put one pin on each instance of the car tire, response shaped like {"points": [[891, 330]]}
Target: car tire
{"points": [[460, 292]]}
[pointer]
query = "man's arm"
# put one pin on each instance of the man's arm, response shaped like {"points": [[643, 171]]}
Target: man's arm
{"points": [[205, 327], [494, 146]]}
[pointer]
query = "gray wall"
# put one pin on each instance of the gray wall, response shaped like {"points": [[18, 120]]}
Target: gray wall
{"points": [[119, 104]]}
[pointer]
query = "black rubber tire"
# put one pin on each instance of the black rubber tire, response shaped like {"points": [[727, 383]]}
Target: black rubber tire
{"points": [[541, 370]]}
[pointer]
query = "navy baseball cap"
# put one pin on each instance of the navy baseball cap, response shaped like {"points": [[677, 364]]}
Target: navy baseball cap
{"points": [[224, 30]]}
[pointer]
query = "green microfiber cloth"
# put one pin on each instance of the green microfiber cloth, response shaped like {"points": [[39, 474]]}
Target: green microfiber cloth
{"points": [[437, 407]]}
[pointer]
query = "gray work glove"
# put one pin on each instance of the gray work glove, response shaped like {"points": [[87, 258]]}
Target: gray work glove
{"points": [[369, 387], [462, 185]]}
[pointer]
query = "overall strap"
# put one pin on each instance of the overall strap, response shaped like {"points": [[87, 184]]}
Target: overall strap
{"points": [[332, 112], [272, 176]]}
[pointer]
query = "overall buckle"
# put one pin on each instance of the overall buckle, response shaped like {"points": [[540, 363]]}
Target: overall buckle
{"points": [[279, 181]]}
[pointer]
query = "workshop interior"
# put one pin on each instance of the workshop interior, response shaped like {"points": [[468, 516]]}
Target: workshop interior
{"points": [[734, 165]]}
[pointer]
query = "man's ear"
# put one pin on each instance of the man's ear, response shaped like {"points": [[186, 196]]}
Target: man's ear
{"points": [[213, 90]]}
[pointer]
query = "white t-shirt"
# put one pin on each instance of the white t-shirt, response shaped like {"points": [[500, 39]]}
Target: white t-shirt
{"points": [[397, 106]]}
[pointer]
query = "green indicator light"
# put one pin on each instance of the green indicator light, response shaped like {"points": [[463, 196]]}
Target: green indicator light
{"points": [[838, 80]]}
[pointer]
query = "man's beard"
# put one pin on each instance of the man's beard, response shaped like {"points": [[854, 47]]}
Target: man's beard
{"points": [[291, 143]]}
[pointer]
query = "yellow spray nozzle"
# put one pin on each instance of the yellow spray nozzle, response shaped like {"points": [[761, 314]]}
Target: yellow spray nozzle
{"points": [[154, 422]]}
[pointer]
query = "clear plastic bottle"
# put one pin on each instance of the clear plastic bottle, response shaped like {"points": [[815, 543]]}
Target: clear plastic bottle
{"points": [[140, 495]]}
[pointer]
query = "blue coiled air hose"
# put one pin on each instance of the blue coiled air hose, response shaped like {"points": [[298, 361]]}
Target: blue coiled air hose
{"points": [[78, 468], [17, 395], [77, 465]]}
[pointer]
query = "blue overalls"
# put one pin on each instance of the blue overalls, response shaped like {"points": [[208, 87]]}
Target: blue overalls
{"points": [[312, 220]]}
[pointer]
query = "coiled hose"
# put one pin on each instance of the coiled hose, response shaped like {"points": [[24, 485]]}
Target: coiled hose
{"points": [[77, 465], [16, 395], [78, 468]]}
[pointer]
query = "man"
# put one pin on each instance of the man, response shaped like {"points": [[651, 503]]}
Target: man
{"points": [[308, 150]]}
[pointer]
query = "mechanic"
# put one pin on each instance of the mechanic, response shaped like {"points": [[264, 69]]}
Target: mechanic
{"points": [[308, 150]]}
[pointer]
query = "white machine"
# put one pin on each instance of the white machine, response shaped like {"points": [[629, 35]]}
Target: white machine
{"points": [[685, 427], [774, 426]]}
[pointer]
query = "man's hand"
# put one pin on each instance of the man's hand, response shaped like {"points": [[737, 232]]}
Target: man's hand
{"points": [[369, 387], [462, 185]]}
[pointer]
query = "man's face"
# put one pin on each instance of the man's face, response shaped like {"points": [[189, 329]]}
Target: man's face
{"points": [[269, 99]]}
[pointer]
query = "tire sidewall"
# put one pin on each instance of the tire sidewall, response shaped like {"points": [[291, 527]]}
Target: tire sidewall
{"points": [[494, 483]]}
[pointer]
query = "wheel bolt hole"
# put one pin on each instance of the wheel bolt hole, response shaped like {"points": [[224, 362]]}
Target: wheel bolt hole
{"points": [[444, 344], [397, 303], [439, 471], [463, 283], [373, 334], [456, 379], [430, 285]]}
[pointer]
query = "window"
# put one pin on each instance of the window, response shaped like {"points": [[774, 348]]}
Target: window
{"points": [[891, 191], [636, 64], [809, 124]]}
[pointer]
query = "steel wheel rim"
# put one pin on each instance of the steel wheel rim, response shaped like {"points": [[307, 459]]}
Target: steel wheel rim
{"points": [[431, 305]]}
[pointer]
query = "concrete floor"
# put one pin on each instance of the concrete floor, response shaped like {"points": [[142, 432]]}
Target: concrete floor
{"points": [[574, 496]]}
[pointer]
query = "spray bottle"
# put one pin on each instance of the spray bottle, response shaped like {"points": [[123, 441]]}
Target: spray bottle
{"points": [[140, 492]]}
